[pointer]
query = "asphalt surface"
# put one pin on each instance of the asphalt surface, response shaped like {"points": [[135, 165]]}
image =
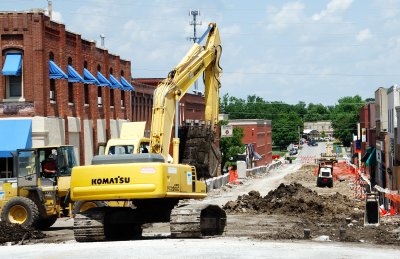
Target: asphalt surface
{"points": [[222, 247]]}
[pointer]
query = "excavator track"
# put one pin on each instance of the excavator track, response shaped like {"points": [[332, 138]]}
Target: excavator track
{"points": [[197, 220], [106, 223], [89, 226]]}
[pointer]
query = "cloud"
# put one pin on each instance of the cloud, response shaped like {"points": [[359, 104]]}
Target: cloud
{"points": [[334, 6], [289, 13], [364, 35], [56, 16]]}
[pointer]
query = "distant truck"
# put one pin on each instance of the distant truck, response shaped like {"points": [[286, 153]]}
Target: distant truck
{"points": [[131, 140]]}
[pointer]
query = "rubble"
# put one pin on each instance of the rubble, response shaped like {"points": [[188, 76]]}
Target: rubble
{"points": [[294, 199], [17, 233], [323, 215]]}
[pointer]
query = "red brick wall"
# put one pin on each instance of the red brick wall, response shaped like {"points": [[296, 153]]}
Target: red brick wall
{"points": [[259, 134], [192, 106]]}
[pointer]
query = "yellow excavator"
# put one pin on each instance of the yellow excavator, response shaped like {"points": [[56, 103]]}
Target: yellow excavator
{"points": [[147, 183]]}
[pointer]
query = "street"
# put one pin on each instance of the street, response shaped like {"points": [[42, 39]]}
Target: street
{"points": [[248, 235]]}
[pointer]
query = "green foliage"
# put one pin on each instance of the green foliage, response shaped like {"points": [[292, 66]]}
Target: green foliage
{"points": [[231, 146], [345, 116], [288, 120]]}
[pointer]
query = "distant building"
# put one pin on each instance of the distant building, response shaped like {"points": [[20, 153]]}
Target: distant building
{"points": [[316, 129], [258, 133], [191, 106], [382, 137]]}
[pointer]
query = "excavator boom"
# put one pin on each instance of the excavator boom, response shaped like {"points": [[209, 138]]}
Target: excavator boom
{"points": [[199, 59]]}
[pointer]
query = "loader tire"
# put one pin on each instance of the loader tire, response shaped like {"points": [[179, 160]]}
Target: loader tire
{"points": [[45, 223], [20, 210], [81, 206]]}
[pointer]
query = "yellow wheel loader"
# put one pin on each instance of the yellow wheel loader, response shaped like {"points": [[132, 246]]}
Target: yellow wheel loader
{"points": [[38, 193]]}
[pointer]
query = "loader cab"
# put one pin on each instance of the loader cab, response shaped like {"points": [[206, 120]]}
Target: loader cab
{"points": [[43, 163], [62, 159]]}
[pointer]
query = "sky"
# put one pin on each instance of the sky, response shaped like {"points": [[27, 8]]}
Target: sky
{"points": [[315, 51]]}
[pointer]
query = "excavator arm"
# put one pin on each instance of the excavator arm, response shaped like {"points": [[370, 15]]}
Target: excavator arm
{"points": [[199, 59]]}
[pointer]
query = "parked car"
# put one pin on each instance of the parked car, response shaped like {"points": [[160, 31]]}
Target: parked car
{"points": [[313, 143]]}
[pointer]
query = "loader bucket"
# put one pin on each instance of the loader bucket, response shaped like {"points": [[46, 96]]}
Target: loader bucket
{"points": [[371, 214]]}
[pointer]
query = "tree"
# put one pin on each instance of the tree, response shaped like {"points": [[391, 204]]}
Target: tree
{"points": [[231, 146], [285, 130], [344, 117], [316, 112]]}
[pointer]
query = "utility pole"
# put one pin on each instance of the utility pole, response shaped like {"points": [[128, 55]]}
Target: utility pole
{"points": [[194, 23], [298, 130]]}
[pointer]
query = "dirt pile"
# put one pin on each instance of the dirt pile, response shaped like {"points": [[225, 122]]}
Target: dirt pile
{"points": [[293, 208], [295, 199], [17, 233]]}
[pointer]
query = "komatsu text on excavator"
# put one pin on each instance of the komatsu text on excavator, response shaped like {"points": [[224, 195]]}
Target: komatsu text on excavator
{"points": [[150, 187]]}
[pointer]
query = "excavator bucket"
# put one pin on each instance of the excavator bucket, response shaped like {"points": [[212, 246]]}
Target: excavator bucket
{"points": [[197, 148], [371, 214]]}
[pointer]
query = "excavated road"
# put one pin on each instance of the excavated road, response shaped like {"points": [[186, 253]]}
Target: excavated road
{"points": [[250, 233]]}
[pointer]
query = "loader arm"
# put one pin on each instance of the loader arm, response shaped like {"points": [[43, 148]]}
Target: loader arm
{"points": [[199, 59]]}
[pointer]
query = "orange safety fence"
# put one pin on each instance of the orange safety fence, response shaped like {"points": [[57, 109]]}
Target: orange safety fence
{"points": [[341, 171], [233, 177], [394, 203]]}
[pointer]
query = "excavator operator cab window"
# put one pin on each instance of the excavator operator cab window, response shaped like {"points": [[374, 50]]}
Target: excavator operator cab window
{"points": [[144, 147], [120, 150]]}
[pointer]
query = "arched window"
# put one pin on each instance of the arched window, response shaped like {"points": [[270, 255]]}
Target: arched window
{"points": [[99, 93], [12, 72], [86, 86], [52, 82], [111, 91], [70, 86]]}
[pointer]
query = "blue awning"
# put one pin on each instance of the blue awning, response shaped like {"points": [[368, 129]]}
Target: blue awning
{"points": [[115, 83], [12, 65], [371, 161], [14, 134], [89, 78], [102, 80], [56, 72], [73, 76], [126, 84]]}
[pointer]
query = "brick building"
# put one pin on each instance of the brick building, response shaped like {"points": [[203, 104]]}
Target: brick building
{"points": [[71, 91], [259, 134], [191, 106]]}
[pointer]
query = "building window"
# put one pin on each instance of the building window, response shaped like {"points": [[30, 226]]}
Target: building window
{"points": [[86, 93], [70, 86], [52, 90], [52, 93], [14, 86], [99, 101], [70, 92], [111, 97], [12, 72], [122, 98]]}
